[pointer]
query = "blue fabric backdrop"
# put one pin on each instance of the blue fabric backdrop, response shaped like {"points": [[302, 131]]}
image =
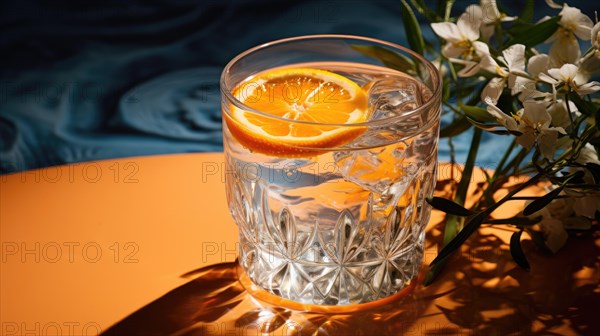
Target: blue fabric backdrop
{"points": [[88, 80]]}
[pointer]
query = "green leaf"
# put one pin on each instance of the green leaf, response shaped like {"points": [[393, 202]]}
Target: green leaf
{"points": [[465, 179], [452, 226], [484, 126], [586, 107], [541, 202], [422, 8], [444, 7], [493, 128], [447, 9], [412, 28], [527, 13], [471, 226], [453, 223], [517, 220], [458, 126], [595, 170], [388, 57], [576, 177], [477, 113], [505, 132], [448, 206], [516, 251], [446, 91], [452, 240], [536, 35], [434, 271], [520, 27]]}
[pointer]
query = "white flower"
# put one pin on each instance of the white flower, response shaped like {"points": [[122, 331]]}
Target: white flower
{"points": [[536, 65], [470, 68], [462, 35], [588, 154], [526, 86], [491, 16], [553, 229], [462, 46], [559, 215], [553, 4], [589, 64], [568, 75], [555, 235], [586, 204], [564, 50], [514, 59], [533, 124], [565, 74], [560, 114], [493, 89], [573, 23]]}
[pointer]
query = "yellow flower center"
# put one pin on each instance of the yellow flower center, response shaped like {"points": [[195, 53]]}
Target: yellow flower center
{"points": [[517, 118], [463, 44], [469, 50], [567, 29], [501, 71]]}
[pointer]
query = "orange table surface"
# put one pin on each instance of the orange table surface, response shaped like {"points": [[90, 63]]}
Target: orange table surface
{"points": [[146, 246]]}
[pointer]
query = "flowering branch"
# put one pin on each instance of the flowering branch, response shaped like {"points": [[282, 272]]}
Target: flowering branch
{"points": [[547, 102]]}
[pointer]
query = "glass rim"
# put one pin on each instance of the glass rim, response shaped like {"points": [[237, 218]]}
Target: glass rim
{"points": [[436, 93]]}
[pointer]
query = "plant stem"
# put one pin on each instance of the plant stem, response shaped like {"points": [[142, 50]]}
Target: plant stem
{"points": [[465, 180], [573, 129], [522, 153], [448, 9], [506, 155], [498, 33], [530, 198], [454, 109], [438, 264], [452, 70], [453, 223], [452, 152], [489, 192]]}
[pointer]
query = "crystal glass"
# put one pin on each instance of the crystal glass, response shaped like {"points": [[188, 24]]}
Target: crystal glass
{"points": [[342, 225]]}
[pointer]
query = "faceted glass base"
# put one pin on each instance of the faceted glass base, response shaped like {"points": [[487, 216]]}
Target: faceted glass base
{"points": [[321, 274], [267, 298]]}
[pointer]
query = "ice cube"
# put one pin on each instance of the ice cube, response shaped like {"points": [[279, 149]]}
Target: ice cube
{"points": [[390, 97], [375, 169]]}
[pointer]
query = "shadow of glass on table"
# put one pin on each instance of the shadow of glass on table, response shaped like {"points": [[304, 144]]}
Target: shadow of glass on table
{"points": [[482, 292]]}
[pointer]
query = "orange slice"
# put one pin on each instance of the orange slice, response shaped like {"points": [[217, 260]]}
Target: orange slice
{"points": [[297, 103]]}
